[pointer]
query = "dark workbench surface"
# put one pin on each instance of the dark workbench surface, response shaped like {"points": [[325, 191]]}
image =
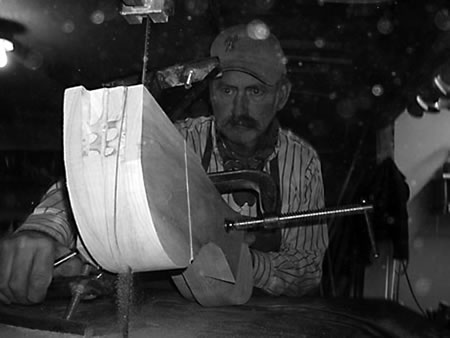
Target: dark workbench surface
{"points": [[160, 312]]}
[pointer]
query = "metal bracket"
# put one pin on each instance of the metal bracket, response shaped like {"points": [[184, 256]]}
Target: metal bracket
{"points": [[134, 11]]}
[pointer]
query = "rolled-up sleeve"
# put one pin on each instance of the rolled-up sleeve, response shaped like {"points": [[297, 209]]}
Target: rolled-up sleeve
{"points": [[52, 216]]}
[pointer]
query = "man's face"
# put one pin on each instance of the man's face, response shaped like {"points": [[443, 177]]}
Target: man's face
{"points": [[243, 107]]}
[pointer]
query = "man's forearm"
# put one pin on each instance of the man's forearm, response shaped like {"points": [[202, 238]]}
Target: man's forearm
{"points": [[52, 216], [287, 273]]}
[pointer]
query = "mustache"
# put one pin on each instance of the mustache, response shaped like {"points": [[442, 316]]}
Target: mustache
{"points": [[242, 121]]}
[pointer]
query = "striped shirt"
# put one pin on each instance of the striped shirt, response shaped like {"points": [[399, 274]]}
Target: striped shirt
{"points": [[296, 268], [293, 270], [53, 216]]}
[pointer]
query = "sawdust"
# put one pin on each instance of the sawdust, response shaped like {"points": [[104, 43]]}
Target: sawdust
{"points": [[124, 300]]}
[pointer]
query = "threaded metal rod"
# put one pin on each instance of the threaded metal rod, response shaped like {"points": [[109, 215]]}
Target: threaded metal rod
{"points": [[287, 220]]}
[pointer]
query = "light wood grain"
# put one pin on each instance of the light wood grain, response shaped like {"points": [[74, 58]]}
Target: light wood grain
{"points": [[140, 197]]}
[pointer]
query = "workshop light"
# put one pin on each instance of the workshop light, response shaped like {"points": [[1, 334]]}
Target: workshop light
{"points": [[5, 46]]}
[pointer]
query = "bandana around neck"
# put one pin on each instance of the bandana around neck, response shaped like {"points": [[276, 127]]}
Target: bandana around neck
{"points": [[233, 161]]}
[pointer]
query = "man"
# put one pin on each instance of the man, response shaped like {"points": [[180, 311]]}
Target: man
{"points": [[243, 133]]}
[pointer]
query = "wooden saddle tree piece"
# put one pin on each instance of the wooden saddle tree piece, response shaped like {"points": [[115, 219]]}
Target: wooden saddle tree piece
{"points": [[141, 199], [210, 281]]}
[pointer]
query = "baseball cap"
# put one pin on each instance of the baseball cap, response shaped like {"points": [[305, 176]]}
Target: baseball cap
{"points": [[251, 49]]}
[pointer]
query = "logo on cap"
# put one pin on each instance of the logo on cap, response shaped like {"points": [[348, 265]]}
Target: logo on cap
{"points": [[230, 41]]}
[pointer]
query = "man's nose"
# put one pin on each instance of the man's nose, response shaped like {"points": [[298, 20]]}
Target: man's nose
{"points": [[240, 105]]}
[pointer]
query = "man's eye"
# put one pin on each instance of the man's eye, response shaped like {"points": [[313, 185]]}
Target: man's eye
{"points": [[227, 90], [256, 91]]}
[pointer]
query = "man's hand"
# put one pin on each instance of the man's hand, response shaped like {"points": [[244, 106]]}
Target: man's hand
{"points": [[26, 266]]}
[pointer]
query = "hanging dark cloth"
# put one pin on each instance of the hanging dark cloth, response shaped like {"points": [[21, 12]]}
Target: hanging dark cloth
{"points": [[390, 193]]}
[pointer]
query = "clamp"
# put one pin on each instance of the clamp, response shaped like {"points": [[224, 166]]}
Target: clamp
{"points": [[263, 185]]}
